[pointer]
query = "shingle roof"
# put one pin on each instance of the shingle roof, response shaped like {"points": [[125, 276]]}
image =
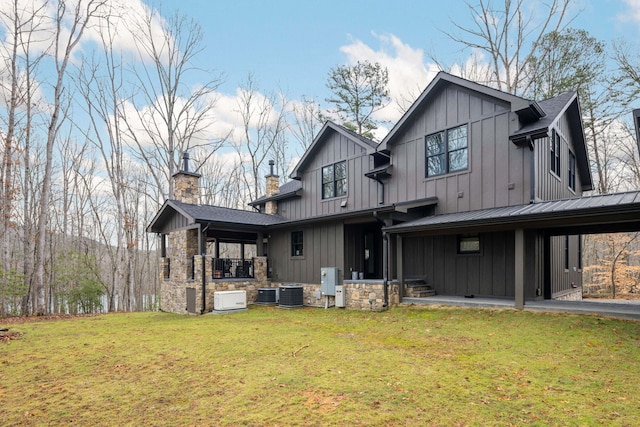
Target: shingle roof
{"points": [[617, 203], [209, 213], [286, 190], [553, 107]]}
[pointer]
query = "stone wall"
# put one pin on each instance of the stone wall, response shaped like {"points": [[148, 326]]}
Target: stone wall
{"points": [[570, 295], [364, 295], [359, 295]]}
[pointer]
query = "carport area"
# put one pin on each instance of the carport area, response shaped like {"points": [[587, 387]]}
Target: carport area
{"points": [[529, 258]]}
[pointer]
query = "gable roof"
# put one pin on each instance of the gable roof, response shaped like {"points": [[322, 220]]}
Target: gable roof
{"points": [[210, 214], [286, 190], [329, 126], [527, 109], [569, 104]]}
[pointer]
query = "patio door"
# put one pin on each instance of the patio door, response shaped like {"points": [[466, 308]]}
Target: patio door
{"points": [[371, 254]]}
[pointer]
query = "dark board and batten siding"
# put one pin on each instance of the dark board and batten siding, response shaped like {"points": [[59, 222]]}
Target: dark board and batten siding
{"points": [[435, 258], [323, 247], [494, 163], [362, 193], [550, 186]]}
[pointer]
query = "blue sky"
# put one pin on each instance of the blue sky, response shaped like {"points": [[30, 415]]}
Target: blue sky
{"points": [[292, 44]]}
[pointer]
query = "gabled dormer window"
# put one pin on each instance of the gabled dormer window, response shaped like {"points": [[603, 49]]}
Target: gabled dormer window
{"points": [[555, 152], [334, 180], [447, 151]]}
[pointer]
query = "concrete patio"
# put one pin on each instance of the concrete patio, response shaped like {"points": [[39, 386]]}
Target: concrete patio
{"points": [[624, 309]]}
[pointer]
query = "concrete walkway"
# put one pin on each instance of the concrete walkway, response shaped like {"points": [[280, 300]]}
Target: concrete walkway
{"points": [[624, 309]]}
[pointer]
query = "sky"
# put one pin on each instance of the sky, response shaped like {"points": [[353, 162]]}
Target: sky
{"points": [[291, 45]]}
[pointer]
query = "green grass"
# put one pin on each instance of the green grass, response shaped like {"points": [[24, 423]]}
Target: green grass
{"points": [[273, 367]]}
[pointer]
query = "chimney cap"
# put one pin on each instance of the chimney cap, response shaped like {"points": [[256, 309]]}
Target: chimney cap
{"points": [[271, 172], [185, 166]]}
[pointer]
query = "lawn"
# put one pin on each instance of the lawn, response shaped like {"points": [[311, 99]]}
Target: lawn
{"points": [[273, 367]]}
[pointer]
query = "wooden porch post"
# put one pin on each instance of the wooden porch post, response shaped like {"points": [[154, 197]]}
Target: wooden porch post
{"points": [[519, 269], [399, 263]]}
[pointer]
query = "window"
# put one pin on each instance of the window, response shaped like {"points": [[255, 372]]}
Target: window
{"points": [[572, 171], [555, 152], [297, 246], [579, 252], [447, 151], [566, 252], [334, 180], [469, 244]]}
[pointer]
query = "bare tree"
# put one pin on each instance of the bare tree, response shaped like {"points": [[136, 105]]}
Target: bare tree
{"points": [[508, 33], [308, 118], [171, 118], [264, 124], [65, 41]]}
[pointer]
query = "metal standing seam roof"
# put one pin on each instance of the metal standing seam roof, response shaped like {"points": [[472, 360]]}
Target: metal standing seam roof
{"points": [[530, 212]]}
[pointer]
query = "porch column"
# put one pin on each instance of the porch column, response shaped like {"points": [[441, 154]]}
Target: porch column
{"points": [[399, 264], [519, 269]]}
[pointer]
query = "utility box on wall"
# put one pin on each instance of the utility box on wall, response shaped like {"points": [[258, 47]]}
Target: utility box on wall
{"points": [[328, 280]]}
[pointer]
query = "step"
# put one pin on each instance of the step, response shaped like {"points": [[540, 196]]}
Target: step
{"points": [[424, 294]]}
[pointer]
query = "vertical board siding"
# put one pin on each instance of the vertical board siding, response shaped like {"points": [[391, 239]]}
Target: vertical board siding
{"points": [[323, 247], [490, 273]]}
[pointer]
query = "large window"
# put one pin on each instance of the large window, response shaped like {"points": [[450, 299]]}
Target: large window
{"points": [[334, 180], [555, 152], [297, 243], [572, 171], [447, 151]]}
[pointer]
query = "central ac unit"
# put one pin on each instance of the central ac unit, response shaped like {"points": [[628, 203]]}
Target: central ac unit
{"points": [[229, 300]]}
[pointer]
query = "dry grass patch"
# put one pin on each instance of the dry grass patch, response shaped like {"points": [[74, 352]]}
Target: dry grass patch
{"points": [[274, 367]]}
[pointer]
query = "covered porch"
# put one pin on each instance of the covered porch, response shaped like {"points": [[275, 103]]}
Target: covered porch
{"points": [[526, 255]]}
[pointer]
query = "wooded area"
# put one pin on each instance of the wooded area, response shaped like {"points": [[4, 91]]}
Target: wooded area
{"points": [[92, 136]]}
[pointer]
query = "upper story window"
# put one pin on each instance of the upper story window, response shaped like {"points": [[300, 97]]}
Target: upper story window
{"points": [[334, 180], [555, 152], [447, 151], [572, 171]]}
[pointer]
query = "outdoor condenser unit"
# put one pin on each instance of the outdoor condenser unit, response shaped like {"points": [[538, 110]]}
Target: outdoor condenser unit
{"points": [[229, 300]]}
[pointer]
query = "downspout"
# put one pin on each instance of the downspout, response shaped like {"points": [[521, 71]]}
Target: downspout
{"points": [[381, 193], [204, 268], [385, 268]]}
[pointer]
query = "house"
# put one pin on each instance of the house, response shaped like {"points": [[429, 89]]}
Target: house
{"points": [[473, 192]]}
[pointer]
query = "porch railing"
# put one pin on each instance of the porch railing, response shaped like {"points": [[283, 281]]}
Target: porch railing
{"points": [[231, 268]]}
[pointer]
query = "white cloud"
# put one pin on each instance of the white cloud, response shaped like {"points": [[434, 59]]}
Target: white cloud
{"points": [[632, 14], [408, 72]]}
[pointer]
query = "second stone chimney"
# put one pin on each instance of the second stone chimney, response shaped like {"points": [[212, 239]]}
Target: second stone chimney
{"points": [[186, 185], [272, 188]]}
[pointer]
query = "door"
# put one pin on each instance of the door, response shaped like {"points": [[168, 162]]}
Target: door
{"points": [[191, 300], [371, 255]]}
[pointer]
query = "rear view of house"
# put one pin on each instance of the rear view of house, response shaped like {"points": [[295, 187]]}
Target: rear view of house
{"points": [[473, 192]]}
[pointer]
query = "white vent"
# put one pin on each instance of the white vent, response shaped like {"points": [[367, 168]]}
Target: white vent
{"points": [[229, 300]]}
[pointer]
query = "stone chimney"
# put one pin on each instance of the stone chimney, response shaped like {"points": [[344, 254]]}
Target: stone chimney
{"points": [[186, 186], [272, 188]]}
